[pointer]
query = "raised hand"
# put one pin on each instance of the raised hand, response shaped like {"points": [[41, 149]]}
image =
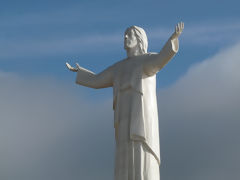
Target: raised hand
{"points": [[72, 68], [178, 30]]}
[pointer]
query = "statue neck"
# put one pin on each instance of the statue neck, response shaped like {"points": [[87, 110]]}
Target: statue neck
{"points": [[133, 52]]}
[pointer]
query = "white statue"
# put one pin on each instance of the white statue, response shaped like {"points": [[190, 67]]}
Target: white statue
{"points": [[133, 80]]}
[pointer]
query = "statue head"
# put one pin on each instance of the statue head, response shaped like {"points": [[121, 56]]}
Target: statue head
{"points": [[136, 37]]}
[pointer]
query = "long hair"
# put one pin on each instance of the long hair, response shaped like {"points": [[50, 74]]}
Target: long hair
{"points": [[141, 38]]}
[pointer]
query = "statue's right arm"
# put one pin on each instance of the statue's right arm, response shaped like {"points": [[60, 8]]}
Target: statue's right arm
{"points": [[89, 79], [156, 62]]}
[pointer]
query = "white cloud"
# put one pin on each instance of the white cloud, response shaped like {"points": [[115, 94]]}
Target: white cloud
{"points": [[214, 33], [204, 34], [24, 45], [200, 120], [45, 17], [54, 46], [54, 32], [211, 82], [49, 131], [48, 33]]}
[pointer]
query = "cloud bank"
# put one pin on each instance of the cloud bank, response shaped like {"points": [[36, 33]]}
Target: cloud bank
{"points": [[49, 130], [200, 120]]}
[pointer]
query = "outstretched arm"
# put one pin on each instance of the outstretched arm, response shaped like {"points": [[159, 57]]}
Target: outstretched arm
{"points": [[90, 79], [157, 61]]}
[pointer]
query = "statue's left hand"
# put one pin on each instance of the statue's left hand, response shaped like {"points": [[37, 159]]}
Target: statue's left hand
{"points": [[72, 68], [178, 30]]}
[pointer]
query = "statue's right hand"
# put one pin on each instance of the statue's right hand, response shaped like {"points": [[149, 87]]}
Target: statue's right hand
{"points": [[178, 30], [71, 68]]}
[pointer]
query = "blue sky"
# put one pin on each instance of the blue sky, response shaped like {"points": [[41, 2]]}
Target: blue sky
{"points": [[46, 120], [39, 36]]}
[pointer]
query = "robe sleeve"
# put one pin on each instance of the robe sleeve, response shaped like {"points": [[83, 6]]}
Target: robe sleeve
{"points": [[157, 61], [92, 80]]}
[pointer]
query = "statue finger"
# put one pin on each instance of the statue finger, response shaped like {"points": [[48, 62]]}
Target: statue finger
{"points": [[179, 27], [78, 67], [71, 68], [68, 66], [182, 25]]}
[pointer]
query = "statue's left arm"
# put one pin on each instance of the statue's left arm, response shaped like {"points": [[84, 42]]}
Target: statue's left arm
{"points": [[157, 61], [89, 79]]}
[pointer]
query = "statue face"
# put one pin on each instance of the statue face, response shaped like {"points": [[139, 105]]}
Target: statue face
{"points": [[130, 39]]}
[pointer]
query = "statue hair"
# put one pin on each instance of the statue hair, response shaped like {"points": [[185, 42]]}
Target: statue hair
{"points": [[141, 37]]}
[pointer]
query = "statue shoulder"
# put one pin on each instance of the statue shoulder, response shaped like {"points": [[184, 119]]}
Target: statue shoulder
{"points": [[119, 63], [148, 56], [151, 53]]}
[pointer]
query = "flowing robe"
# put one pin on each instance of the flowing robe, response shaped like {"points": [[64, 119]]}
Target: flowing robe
{"points": [[135, 110]]}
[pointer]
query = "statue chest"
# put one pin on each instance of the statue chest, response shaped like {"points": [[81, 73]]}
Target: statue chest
{"points": [[128, 73]]}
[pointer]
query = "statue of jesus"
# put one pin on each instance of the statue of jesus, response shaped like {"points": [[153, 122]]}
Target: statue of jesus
{"points": [[133, 79]]}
